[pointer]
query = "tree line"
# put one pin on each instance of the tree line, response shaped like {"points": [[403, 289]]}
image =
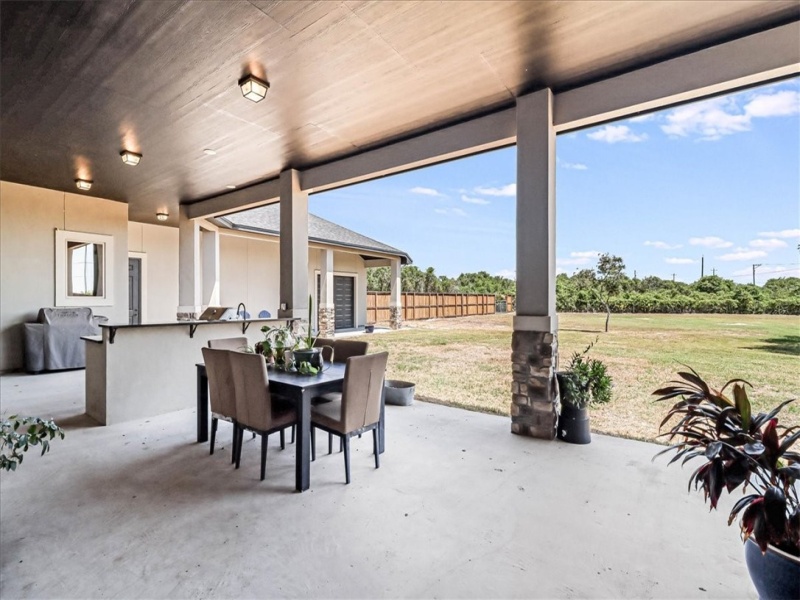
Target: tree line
{"points": [[607, 288]]}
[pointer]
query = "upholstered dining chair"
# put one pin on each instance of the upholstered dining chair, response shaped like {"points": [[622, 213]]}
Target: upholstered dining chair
{"points": [[255, 409], [344, 349], [357, 409], [221, 394], [327, 347], [234, 343]]}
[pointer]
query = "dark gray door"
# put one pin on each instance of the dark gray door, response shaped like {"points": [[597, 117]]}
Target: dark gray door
{"points": [[134, 291], [344, 302]]}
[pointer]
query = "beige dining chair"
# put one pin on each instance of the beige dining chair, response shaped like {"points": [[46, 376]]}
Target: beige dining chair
{"points": [[255, 409], [234, 343], [357, 409], [221, 393]]}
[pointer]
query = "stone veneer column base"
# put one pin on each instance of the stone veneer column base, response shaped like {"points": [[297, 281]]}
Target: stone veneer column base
{"points": [[395, 317], [535, 403], [326, 321]]}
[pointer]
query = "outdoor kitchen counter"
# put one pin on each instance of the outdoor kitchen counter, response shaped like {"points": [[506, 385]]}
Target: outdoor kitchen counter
{"points": [[139, 371]]}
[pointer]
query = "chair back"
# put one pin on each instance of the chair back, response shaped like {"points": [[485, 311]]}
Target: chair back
{"points": [[253, 400], [234, 343], [362, 390], [327, 347], [221, 393], [344, 349]]}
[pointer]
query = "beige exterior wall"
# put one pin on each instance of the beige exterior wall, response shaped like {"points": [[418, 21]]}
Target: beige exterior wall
{"points": [[158, 246], [29, 217], [249, 273]]}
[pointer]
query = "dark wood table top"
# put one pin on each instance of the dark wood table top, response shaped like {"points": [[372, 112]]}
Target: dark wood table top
{"points": [[332, 373]]}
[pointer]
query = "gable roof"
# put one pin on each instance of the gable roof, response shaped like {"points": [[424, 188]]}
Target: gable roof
{"points": [[266, 220]]}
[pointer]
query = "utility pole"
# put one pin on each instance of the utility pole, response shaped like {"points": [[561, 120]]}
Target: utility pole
{"points": [[702, 266], [713, 271], [673, 277], [754, 272]]}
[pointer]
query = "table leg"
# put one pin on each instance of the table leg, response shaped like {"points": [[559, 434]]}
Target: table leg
{"points": [[303, 442], [202, 405]]}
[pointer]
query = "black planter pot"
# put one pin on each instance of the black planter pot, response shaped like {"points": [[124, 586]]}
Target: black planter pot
{"points": [[775, 575], [312, 356], [573, 423]]}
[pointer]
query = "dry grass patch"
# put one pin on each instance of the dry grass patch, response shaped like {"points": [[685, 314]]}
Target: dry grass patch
{"points": [[466, 362]]}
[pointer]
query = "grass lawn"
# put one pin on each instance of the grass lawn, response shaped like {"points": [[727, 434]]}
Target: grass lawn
{"points": [[466, 362]]}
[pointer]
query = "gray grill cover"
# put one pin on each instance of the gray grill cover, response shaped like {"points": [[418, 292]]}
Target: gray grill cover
{"points": [[54, 342]]}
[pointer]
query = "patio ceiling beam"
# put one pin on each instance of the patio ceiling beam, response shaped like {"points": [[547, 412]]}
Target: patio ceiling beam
{"points": [[255, 195], [759, 58]]}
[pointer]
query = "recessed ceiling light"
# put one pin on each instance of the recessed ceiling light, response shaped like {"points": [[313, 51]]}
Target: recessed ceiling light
{"points": [[162, 216], [130, 158], [253, 88], [84, 184], [231, 187], [210, 152]]}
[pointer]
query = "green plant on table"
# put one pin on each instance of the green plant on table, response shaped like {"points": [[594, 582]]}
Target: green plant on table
{"points": [[738, 448], [585, 381], [277, 340], [19, 434]]}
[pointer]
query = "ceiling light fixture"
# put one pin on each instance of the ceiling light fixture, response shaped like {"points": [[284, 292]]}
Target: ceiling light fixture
{"points": [[231, 187], [130, 158], [253, 88], [210, 152], [162, 216], [84, 184]]}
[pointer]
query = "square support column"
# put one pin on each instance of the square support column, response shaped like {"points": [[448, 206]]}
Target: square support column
{"points": [[189, 265], [395, 297], [326, 313], [209, 239], [534, 346], [293, 247]]}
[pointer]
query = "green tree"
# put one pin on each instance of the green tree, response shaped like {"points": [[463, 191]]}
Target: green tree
{"points": [[611, 279]]}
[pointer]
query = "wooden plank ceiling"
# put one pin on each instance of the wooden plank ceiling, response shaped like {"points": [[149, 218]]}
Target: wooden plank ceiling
{"points": [[82, 80]]}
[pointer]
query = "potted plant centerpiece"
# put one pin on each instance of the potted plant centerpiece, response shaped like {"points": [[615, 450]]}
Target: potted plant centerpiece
{"points": [[307, 358], [585, 381], [740, 449], [277, 340]]}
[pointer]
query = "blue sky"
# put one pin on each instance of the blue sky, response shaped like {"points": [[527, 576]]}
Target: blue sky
{"points": [[718, 178]]}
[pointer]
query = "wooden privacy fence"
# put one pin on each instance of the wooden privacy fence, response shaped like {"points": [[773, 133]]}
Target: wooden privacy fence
{"points": [[429, 306]]}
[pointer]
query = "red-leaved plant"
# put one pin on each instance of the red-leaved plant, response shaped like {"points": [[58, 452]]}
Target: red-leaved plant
{"points": [[739, 449]]}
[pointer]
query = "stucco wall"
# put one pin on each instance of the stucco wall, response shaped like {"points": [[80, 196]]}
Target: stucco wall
{"points": [[29, 217], [159, 244]]}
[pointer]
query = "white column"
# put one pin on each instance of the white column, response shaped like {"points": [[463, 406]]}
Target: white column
{"points": [[395, 286], [210, 253], [189, 280], [536, 213], [293, 247], [326, 280]]}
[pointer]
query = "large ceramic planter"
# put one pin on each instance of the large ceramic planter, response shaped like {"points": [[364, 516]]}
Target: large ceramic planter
{"points": [[573, 423], [775, 575]]}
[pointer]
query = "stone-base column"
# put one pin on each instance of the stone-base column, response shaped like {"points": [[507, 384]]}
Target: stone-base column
{"points": [[326, 321], [395, 317], [535, 402]]}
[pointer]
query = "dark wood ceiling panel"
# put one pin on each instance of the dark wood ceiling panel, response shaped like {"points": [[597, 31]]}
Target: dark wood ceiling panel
{"points": [[81, 80]]}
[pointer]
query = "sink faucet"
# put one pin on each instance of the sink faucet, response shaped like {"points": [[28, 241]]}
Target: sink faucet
{"points": [[241, 311]]}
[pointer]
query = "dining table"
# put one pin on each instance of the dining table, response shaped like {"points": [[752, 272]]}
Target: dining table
{"points": [[300, 389]]}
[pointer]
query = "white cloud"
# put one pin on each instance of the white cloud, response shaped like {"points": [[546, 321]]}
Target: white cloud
{"points": [[441, 211], [472, 200], [780, 104], [768, 244], [786, 233], [459, 212], [572, 261], [642, 118], [710, 242], [505, 190], [507, 273], [586, 254], [426, 191], [743, 254], [711, 119], [450, 211], [575, 166], [679, 261], [663, 245], [616, 133]]}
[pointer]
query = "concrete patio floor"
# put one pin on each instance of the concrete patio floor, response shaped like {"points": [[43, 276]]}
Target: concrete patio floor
{"points": [[459, 508]]}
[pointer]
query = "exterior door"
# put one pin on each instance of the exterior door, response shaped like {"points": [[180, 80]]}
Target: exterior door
{"points": [[134, 291], [344, 302]]}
